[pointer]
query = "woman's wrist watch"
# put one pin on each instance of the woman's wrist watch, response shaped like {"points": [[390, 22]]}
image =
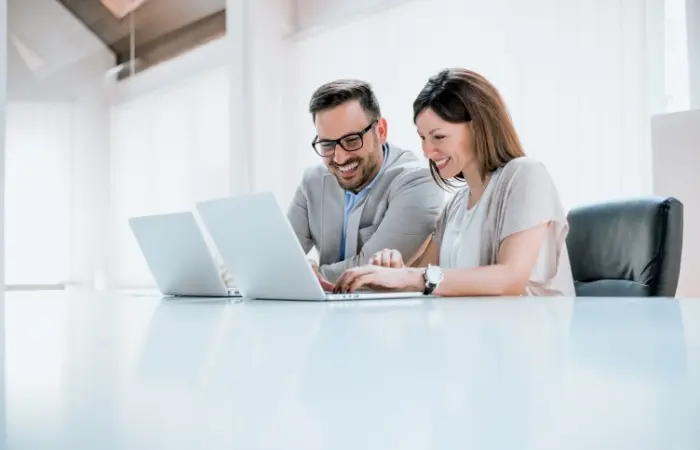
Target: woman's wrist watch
{"points": [[432, 276]]}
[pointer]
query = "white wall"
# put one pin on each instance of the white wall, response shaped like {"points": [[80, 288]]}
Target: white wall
{"points": [[581, 81], [330, 13], [90, 173], [676, 158], [210, 123], [169, 149], [693, 26], [262, 65], [3, 100], [38, 243], [239, 32], [576, 77], [272, 68], [676, 61], [62, 103]]}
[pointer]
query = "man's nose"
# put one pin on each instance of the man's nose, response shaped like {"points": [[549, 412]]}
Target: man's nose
{"points": [[341, 155]]}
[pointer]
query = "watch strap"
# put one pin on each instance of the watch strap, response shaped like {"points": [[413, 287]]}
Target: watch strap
{"points": [[429, 287]]}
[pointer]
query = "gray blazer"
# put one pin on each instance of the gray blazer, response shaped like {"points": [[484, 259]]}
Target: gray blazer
{"points": [[399, 212]]}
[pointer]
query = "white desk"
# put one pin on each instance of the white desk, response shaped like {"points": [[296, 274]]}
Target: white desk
{"points": [[85, 371]]}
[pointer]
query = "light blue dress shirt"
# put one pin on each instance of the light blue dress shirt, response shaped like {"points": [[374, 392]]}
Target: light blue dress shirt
{"points": [[352, 199]]}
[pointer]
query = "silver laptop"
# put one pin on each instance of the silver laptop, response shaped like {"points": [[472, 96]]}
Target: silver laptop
{"points": [[178, 256], [259, 246]]}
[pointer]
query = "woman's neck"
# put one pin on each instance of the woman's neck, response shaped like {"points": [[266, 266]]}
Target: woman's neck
{"points": [[477, 185]]}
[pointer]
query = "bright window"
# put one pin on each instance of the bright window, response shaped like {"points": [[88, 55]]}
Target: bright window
{"points": [[37, 193], [169, 149], [676, 57]]}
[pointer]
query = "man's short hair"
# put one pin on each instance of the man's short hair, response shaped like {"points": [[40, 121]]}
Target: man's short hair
{"points": [[338, 92]]}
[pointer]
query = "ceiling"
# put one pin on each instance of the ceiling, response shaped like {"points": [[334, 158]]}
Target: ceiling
{"points": [[44, 44], [153, 20]]}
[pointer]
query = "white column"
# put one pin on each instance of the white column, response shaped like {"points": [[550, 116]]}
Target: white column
{"points": [[261, 71], [240, 129], [3, 102], [90, 175], [655, 93], [675, 139], [692, 14]]}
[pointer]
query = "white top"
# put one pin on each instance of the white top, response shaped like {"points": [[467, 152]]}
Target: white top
{"points": [[518, 196], [461, 243]]}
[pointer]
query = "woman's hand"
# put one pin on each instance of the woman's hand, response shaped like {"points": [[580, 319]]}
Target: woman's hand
{"points": [[387, 258], [380, 278]]}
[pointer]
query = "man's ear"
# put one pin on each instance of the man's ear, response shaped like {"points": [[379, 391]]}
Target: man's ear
{"points": [[382, 130]]}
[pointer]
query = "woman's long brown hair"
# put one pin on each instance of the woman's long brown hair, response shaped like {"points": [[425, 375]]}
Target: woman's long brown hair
{"points": [[463, 96]]}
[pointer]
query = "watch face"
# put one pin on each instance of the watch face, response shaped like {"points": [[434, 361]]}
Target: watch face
{"points": [[433, 274]]}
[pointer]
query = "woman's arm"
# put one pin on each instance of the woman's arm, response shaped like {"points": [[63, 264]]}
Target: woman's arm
{"points": [[428, 253], [516, 259], [534, 206]]}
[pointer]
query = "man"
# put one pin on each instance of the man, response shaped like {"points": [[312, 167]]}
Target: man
{"points": [[368, 194]]}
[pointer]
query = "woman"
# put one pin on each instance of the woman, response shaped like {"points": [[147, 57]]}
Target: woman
{"points": [[503, 232]]}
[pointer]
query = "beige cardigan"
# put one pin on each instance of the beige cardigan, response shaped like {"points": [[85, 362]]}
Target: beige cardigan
{"points": [[524, 197]]}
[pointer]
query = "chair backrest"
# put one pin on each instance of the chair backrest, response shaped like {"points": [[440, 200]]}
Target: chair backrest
{"points": [[627, 248]]}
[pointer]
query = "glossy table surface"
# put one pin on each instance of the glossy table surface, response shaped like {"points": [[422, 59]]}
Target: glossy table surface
{"points": [[116, 371]]}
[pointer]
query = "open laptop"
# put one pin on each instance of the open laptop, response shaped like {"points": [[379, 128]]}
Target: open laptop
{"points": [[178, 256], [259, 246]]}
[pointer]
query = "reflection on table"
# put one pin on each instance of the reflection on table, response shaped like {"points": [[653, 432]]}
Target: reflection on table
{"points": [[88, 370]]}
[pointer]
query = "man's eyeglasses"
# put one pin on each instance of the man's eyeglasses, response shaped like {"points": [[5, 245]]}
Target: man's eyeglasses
{"points": [[350, 142]]}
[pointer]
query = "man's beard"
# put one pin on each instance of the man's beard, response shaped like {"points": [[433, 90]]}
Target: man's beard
{"points": [[365, 170]]}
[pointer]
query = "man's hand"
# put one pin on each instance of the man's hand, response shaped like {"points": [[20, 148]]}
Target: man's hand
{"points": [[380, 278], [325, 284], [387, 258]]}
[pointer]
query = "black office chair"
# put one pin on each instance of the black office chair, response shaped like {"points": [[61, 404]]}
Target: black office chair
{"points": [[628, 248]]}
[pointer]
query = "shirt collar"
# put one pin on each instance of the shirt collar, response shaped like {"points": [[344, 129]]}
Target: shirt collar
{"points": [[366, 189]]}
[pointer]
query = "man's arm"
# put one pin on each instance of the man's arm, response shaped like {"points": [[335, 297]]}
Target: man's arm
{"points": [[298, 216], [411, 216]]}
